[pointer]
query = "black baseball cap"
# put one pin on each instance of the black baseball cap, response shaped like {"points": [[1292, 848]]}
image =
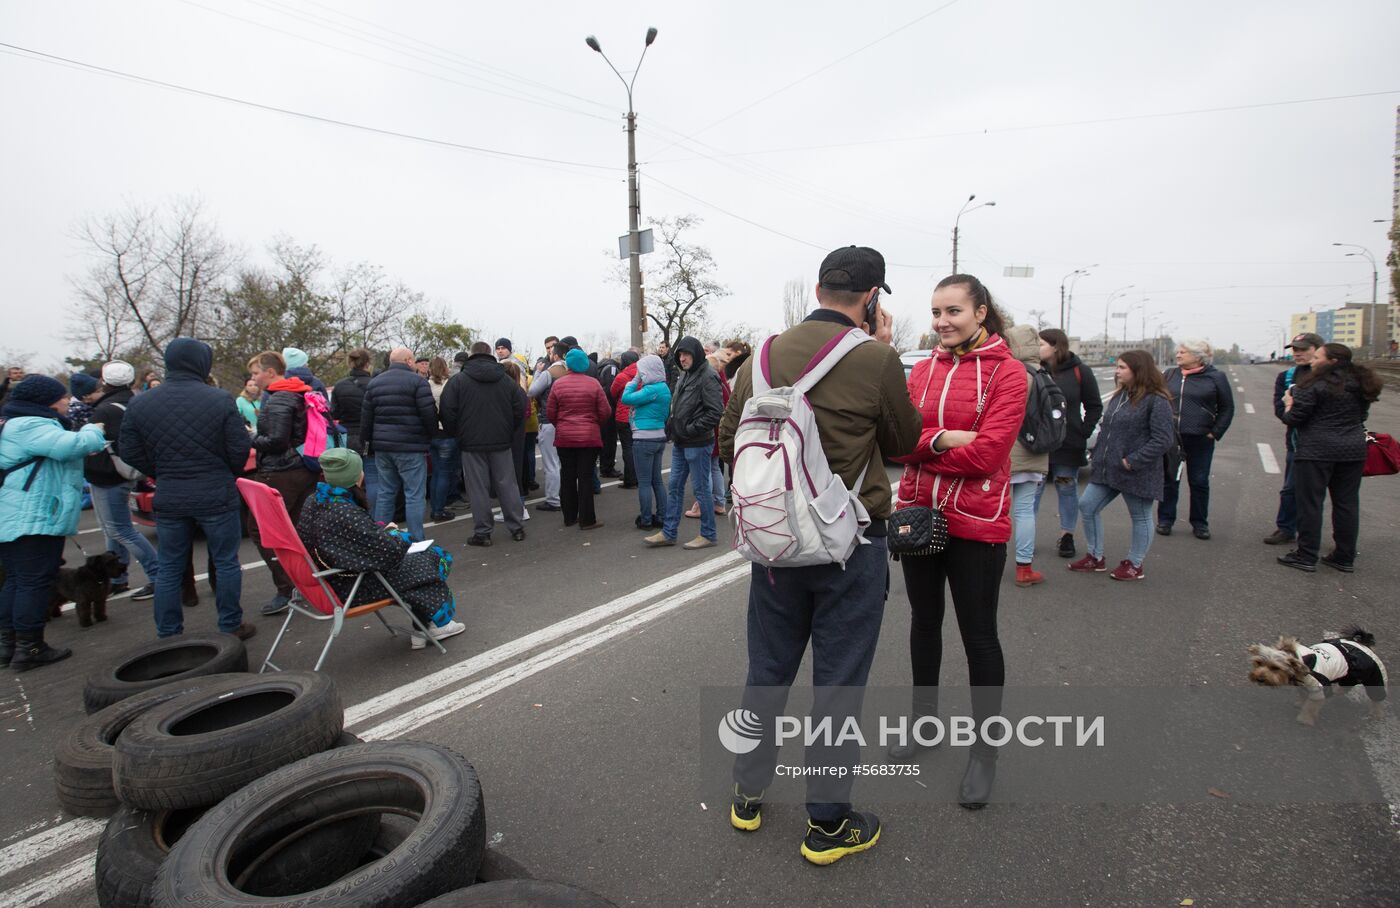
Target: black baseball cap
{"points": [[1307, 339], [856, 268]]}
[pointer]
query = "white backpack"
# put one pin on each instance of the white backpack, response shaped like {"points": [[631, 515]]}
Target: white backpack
{"points": [[790, 510]]}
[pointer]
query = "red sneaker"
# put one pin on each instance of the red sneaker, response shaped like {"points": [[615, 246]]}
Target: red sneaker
{"points": [[1126, 571], [1088, 565], [1028, 576]]}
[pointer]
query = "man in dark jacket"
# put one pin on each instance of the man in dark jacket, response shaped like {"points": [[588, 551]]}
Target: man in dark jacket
{"points": [[1304, 347], [281, 428], [696, 408], [347, 404], [110, 490], [483, 409], [397, 422], [189, 437]]}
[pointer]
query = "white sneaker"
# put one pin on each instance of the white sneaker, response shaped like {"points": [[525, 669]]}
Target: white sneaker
{"points": [[500, 518], [450, 629]]}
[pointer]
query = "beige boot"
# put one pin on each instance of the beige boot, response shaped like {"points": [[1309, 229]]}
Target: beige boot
{"points": [[699, 542], [657, 540]]}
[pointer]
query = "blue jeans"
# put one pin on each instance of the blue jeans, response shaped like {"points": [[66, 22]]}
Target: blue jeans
{"points": [[717, 483], [109, 503], [31, 564], [446, 469], [371, 482], [1199, 451], [407, 471], [223, 533], [651, 493], [685, 463], [1287, 519], [1066, 481], [1023, 498], [1091, 505]]}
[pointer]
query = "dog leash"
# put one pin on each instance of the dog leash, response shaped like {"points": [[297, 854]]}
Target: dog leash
{"points": [[74, 540]]}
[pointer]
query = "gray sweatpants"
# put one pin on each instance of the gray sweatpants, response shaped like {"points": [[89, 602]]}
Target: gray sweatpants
{"points": [[489, 470]]}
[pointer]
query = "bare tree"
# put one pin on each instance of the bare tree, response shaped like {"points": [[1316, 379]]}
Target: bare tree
{"points": [[684, 284], [1038, 316], [796, 302], [105, 329], [367, 308], [905, 334]]}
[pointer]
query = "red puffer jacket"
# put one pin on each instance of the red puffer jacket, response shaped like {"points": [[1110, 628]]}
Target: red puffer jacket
{"points": [[625, 377], [578, 407], [971, 483]]}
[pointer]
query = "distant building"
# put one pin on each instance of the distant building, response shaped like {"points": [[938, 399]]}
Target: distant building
{"points": [[1348, 325]]}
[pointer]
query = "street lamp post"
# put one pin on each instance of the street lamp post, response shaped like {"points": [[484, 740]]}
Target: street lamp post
{"points": [[1074, 275], [634, 202], [1069, 298], [1375, 280], [1107, 307], [961, 212]]}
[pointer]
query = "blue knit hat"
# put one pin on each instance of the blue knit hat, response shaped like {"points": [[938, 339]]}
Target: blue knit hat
{"points": [[39, 389], [81, 384], [576, 360], [295, 358]]}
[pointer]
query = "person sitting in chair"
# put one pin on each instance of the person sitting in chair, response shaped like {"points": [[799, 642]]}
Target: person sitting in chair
{"points": [[339, 533]]}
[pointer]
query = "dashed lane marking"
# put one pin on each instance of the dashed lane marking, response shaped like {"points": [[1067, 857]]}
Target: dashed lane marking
{"points": [[1249, 408], [1266, 456]]}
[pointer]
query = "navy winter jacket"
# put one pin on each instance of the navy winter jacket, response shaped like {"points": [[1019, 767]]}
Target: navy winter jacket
{"points": [[188, 436], [1207, 407], [1140, 433], [1083, 408], [481, 407], [398, 415]]}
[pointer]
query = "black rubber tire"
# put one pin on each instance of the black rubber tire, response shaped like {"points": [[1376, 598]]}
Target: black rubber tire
{"points": [[495, 865], [199, 748], [519, 894], [159, 662], [426, 781], [82, 761], [136, 841]]}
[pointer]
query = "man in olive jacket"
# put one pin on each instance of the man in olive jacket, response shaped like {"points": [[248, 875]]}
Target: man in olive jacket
{"points": [[863, 413]]}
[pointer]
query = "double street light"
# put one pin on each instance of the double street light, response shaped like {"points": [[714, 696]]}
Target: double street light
{"points": [[962, 211], [1108, 306], [1073, 276], [634, 203], [1375, 280]]}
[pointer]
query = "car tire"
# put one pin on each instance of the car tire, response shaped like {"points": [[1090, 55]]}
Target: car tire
{"points": [[495, 864], [520, 894], [82, 761], [442, 852], [199, 748], [159, 662]]}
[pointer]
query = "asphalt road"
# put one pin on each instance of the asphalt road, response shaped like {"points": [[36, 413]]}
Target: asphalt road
{"points": [[575, 692]]}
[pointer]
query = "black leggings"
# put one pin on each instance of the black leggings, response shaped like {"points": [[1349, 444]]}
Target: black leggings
{"points": [[972, 571]]}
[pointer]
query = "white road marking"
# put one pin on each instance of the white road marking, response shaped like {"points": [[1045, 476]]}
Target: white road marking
{"points": [[443, 706], [50, 841], [1249, 408], [50, 886], [1266, 456], [1381, 739]]}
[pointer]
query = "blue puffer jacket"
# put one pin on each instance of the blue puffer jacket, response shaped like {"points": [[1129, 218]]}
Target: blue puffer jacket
{"points": [[651, 405], [53, 501], [398, 414], [188, 436], [1139, 433]]}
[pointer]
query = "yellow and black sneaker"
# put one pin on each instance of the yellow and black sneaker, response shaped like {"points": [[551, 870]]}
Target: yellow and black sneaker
{"points": [[746, 813], [856, 832]]}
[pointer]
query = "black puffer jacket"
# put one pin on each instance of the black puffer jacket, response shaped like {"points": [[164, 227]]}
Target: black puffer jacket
{"points": [[347, 401], [281, 426], [481, 407], [698, 401], [1330, 415], [109, 410], [1208, 407], [187, 435], [1084, 407], [398, 415]]}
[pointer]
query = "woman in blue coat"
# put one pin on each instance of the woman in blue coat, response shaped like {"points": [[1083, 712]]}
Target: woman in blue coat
{"points": [[1203, 408], [42, 461], [650, 399], [1135, 433]]}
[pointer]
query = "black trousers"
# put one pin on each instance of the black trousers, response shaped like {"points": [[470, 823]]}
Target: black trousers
{"points": [[1313, 480], [629, 466], [608, 460], [972, 573], [576, 485]]}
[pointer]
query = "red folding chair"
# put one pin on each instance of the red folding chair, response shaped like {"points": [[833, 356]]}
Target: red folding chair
{"points": [[313, 597]]}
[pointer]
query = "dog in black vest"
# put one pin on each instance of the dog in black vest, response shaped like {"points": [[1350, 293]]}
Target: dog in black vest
{"points": [[87, 587]]}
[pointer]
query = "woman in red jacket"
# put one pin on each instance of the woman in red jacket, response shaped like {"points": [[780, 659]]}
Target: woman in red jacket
{"points": [[972, 395], [577, 408]]}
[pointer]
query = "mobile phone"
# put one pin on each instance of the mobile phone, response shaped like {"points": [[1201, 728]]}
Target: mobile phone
{"points": [[871, 309]]}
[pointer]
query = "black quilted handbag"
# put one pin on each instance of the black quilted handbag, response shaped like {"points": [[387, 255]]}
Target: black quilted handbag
{"points": [[917, 531]]}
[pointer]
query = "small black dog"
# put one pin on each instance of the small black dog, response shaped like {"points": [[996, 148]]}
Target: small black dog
{"points": [[88, 587]]}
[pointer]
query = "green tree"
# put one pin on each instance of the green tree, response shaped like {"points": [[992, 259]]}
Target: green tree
{"points": [[434, 333]]}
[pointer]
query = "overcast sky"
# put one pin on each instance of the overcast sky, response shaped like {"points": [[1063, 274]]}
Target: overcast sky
{"points": [[790, 128]]}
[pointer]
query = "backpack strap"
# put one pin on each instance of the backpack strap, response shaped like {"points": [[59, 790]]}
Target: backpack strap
{"points": [[831, 353], [762, 373]]}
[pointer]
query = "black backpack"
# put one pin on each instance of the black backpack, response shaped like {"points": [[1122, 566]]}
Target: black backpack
{"points": [[607, 371], [6, 471], [1046, 423]]}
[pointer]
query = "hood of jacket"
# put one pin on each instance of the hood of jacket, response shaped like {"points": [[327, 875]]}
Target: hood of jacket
{"points": [[289, 383], [187, 359], [483, 368], [651, 369], [1025, 344], [692, 346], [627, 358]]}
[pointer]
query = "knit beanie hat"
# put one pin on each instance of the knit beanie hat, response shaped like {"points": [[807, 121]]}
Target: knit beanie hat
{"points": [[81, 384], [39, 389], [295, 358], [504, 342], [342, 466], [118, 374], [577, 360]]}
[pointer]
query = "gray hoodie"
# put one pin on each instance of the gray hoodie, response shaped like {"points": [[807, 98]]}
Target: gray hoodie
{"points": [[1025, 346]]}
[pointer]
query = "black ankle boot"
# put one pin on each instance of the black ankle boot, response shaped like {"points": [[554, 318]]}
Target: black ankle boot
{"points": [[32, 652], [906, 752], [976, 788], [7, 645]]}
